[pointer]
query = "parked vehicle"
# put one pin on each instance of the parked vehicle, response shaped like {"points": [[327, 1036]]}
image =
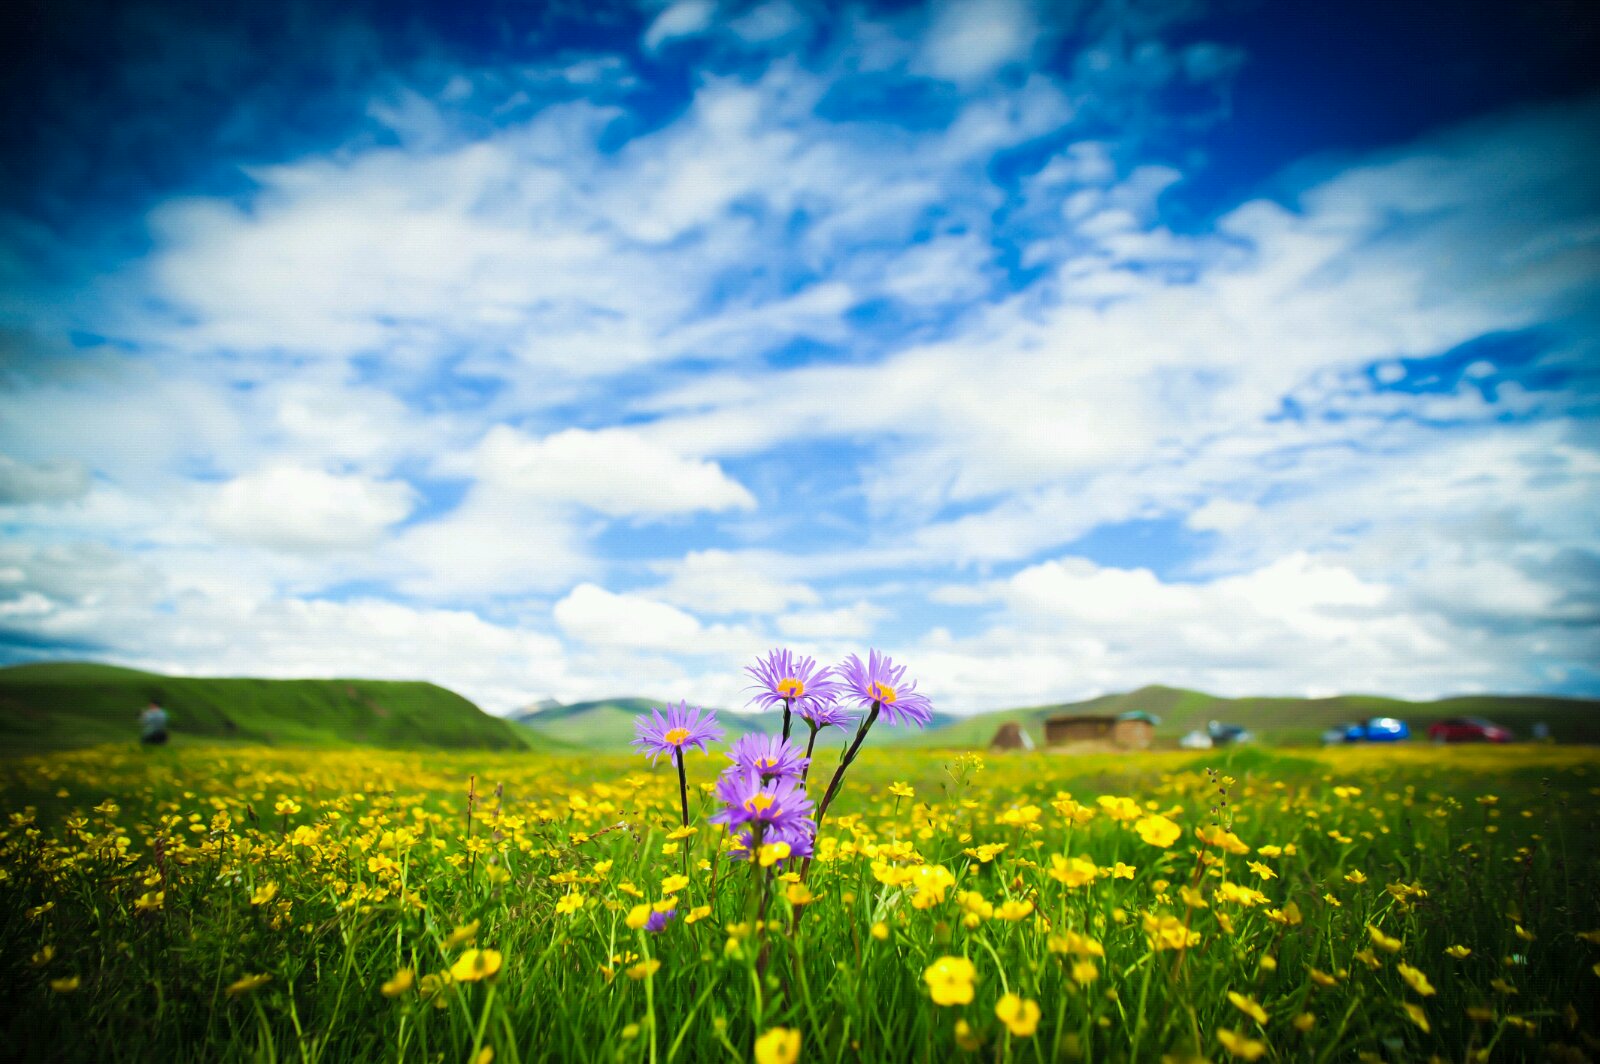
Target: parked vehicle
{"points": [[1227, 734], [1468, 730], [1339, 733], [1378, 730]]}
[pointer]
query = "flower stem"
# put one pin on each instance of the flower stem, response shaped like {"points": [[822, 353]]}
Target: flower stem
{"points": [[786, 719], [838, 778], [683, 799], [845, 762], [811, 744]]}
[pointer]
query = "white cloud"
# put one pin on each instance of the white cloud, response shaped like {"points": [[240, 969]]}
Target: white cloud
{"points": [[686, 18], [721, 582], [1222, 515], [606, 619], [613, 471], [847, 622], [972, 40], [290, 508], [58, 481], [565, 321], [1069, 629]]}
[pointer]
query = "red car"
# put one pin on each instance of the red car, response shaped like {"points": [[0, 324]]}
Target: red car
{"points": [[1468, 730]]}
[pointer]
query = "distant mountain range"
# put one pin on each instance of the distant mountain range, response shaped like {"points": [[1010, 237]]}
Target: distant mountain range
{"points": [[1281, 720], [44, 706], [608, 723]]}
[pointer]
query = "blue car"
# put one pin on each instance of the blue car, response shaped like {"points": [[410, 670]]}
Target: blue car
{"points": [[1378, 730]]}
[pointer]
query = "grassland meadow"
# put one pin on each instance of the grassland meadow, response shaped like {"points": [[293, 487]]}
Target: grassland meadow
{"points": [[215, 902]]}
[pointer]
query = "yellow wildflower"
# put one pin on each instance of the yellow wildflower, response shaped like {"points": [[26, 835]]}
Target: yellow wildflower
{"points": [[644, 969], [781, 1045], [475, 964], [1157, 830], [1249, 1006], [400, 983], [1167, 932], [1241, 1046], [1020, 1015], [1118, 808], [1072, 871], [246, 984], [1383, 941], [1415, 979], [950, 980], [462, 935]]}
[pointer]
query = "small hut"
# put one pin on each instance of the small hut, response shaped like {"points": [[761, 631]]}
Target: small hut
{"points": [[1134, 730], [1011, 736], [1077, 729]]}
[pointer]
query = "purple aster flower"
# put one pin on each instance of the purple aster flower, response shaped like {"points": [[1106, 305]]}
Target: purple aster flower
{"points": [[880, 680], [827, 714], [657, 921], [785, 678], [761, 805], [683, 728], [770, 756]]}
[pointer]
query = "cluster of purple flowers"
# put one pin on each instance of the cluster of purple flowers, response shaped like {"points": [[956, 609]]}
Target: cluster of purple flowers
{"points": [[762, 795]]}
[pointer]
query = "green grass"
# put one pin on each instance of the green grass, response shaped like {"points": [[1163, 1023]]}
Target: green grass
{"points": [[46, 706], [249, 903]]}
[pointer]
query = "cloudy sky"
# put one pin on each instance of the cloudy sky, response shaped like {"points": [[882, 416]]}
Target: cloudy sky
{"points": [[572, 350]]}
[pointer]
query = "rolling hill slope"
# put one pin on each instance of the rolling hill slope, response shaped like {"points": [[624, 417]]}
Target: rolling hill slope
{"points": [[607, 724], [1282, 720], [44, 706]]}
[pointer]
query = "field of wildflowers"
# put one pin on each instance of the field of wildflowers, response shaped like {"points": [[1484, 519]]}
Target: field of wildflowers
{"points": [[699, 904]]}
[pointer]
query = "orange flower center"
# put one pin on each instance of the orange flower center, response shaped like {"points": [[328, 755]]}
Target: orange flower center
{"points": [[676, 736], [882, 692], [791, 688], [758, 802]]}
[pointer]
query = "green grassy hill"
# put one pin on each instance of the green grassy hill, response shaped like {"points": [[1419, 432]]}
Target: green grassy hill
{"points": [[44, 706], [1282, 720], [607, 724]]}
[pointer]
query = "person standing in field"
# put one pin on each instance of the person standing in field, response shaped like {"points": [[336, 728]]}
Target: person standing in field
{"points": [[153, 724]]}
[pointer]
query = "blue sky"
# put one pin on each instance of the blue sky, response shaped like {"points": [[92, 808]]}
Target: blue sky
{"points": [[577, 350]]}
